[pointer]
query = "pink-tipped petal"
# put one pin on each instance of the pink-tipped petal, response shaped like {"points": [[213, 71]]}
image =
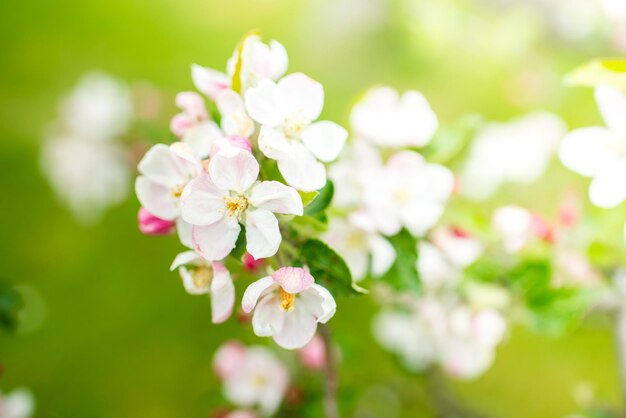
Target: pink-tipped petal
{"points": [[214, 242], [254, 292], [222, 294], [150, 224], [209, 81], [233, 169], [227, 358], [293, 279]]}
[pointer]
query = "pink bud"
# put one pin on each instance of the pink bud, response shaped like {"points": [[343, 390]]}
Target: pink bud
{"points": [[228, 358], [252, 264], [151, 225], [193, 105], [568, 215], [231, 141], [313, 355], [180, 124], [541, 228]]}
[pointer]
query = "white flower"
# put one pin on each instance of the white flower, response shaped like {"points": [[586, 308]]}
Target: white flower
{"points": [[409, 193], [442, 259], [193, 125], [258, 61], [99, 108], [227, 194], [17, 404], [165, 171], [289, 306], [600, 153], [514, 152], [385, 118], [514, 225], [252, 376], [287, 111], [357, 241], [235, 121], [614, 9], [200, 277]]}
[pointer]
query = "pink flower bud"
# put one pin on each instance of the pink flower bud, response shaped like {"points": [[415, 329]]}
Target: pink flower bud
{"points": [[541, 228], [228, 358], [231, 141], [193, 105], [151, 225], [568, 215], [180, 124], [252, 264], [313, 355]]}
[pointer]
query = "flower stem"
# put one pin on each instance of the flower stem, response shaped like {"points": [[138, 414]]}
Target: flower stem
{"points": [[331, 407]]}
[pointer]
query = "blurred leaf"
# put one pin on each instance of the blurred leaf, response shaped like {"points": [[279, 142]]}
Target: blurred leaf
{"points": [[308, 197], [610, 72], [10, 304], [449, 142], [240, 245], [403, 275], [328, 268], [321, 201]]}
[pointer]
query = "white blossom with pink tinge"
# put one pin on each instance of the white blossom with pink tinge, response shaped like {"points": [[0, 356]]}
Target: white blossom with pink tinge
{"points": [[193, 125], [287, 111], [252, 376], [17, 404], [287, 306], [227, 195], [201, 277]]}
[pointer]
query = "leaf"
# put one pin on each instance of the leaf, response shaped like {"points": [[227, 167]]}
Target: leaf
{"points": [[449, 142], [403, 275], [308, 197], [610, 72], [10, 303], [321, 202], [328, 268], [236, 80], [240, 245]]}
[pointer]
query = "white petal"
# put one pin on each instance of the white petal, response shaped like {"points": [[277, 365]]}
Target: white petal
{"points": [[268, 317], [587, 150], [169, 166], [264, 104], [222, 294], [303, 95], [262, 233], [383, 254], [157, 199], [325, 140], [209, 81], [202, 202], [216, 241], [318, 302], [608, 188], [278, 60], [276, 197], [357, 261], [187, 257], [184, 232], [189, 283], [297, 329], [302, 170], [419, 217], [201, 137], [235, 120], [439, 181], [254, 292], [274, 144], [293, 279], [233, 169], [612, 105]]}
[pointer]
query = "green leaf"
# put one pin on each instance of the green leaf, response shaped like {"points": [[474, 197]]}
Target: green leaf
{"points": [[328, 268], [321, 202], [403, 275], [10, 304], [610, 72], [308, 197], [240, 245], [449, 142]]}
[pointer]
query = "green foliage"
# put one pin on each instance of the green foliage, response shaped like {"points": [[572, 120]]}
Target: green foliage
{"points": [[403, 275], [10, 304], [451, 141], [308, 197], [610, 72], [321, 201], [328, 268]]}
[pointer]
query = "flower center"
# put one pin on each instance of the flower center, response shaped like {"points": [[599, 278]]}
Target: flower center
{"points": [[243, 123], [401, 196], [201, 277], [177, 190], [293, 127], [286, 299], [236, 205]]}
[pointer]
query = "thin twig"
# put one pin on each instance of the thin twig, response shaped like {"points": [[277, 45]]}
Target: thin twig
{"points": [[331, 407]]}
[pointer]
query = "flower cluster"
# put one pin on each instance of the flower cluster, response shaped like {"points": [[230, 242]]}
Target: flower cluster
{"points": [[236, 185]]}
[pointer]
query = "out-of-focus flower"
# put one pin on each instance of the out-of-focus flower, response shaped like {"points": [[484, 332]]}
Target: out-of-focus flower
{"points": [[289, 305], [17, 404], [600, 153], [515, 152], [353, 172], [193, 125], [201, 277], [614, 9], [287, 111], [252, 376], [229, 142], [152, 225], [252, 264], [358, 242], [574, 268], [227, 194], [513, 224], [409, 193], [258, 61], [313, 355], [165, 172], [449, 251], [241, 414], [386, 119]]}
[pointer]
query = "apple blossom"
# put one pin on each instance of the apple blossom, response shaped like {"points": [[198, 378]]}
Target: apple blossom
{"points": [[165, 171], [241, 414], [258, 61], [235, 121], [600, 153], [17, 404], [287, 306], [313, 354], [386, 119], [252, 376], [227, 194], [513, 224], [409, 193], [151, 225], [514, 152], [201, 277], [287, 111], [193, 125]]}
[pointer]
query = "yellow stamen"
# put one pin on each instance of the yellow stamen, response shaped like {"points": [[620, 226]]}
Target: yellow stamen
{"points": [[286, 299], [178, 190], [202, 276], [236, 205]]}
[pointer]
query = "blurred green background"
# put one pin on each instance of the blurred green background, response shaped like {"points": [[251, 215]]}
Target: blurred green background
{"points": [[108, 331]]}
